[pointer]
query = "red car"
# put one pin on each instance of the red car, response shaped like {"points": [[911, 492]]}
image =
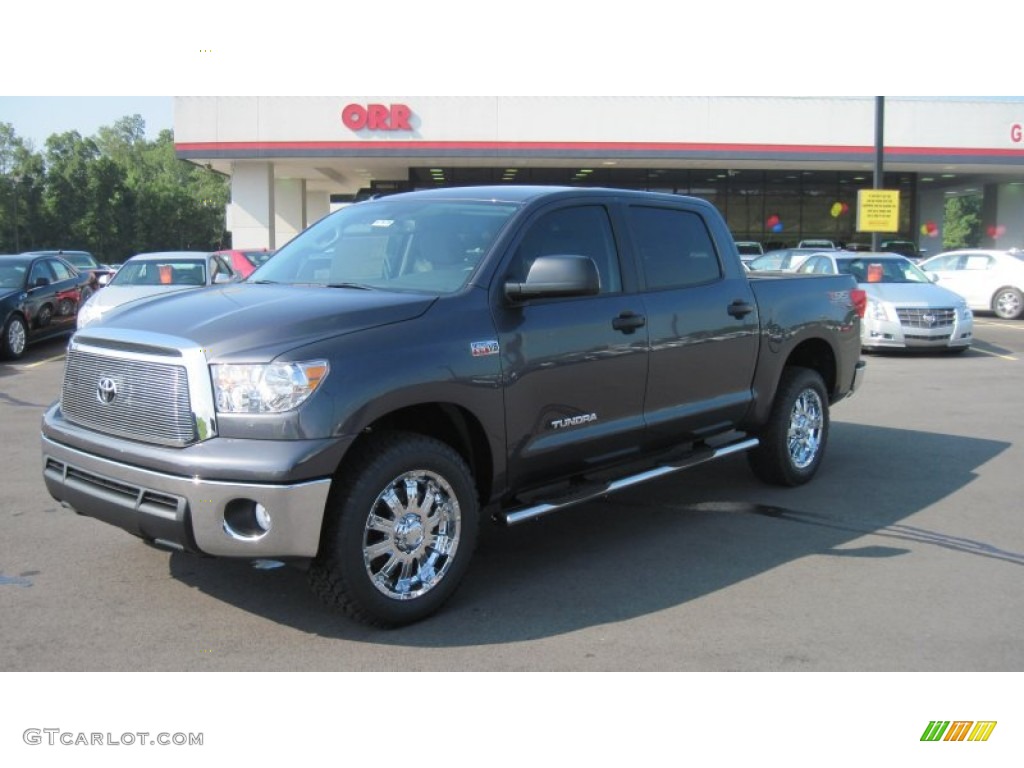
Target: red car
{"points": [[245, 260]]}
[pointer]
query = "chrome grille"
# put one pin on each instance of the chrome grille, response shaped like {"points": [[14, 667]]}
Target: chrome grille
{"points": [[151, 402], [915, 317]]}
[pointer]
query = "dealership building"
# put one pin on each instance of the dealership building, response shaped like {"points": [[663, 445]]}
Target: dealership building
{"points": [[779, 168]]}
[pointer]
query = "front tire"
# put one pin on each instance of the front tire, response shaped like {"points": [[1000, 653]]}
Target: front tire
{"points": [[794, 438], [399, 533], [12, 345], [1008, 303]]}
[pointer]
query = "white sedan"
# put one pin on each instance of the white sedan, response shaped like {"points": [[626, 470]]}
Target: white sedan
{"points": [[991, 281], [153, 274]]}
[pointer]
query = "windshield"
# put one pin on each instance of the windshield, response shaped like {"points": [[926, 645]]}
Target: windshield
{"points": [[419, 245], [882, 270], [81, 260], [169, 272], [12, 275]]}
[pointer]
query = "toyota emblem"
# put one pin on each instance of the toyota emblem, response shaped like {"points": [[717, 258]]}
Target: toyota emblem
{"points": [[106, 390]]}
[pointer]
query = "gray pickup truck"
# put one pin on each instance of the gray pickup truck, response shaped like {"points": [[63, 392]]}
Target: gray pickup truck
{"points": [[409, 363]]}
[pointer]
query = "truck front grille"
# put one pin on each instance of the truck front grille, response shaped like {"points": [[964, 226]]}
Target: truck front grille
{"points": [[914, 317], [135, 399]]}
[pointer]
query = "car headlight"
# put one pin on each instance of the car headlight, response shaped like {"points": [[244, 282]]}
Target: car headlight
{"points": [[876, 310], [965, 312], [270, 388], [88, 313]]}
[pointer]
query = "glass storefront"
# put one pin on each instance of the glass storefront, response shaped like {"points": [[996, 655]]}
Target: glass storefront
{"points": [[776, 208]]}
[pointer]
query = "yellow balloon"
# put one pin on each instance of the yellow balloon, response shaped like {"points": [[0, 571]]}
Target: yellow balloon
{"points": [[924, 229], [837, 208]]}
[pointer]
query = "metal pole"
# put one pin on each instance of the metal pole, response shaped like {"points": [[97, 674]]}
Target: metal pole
{"points": [[879, 150]]}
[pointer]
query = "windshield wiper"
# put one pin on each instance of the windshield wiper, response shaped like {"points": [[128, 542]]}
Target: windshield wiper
{"points": [[358, 286]]}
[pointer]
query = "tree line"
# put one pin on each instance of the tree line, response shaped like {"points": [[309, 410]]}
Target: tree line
{"points": [[114, 194]]}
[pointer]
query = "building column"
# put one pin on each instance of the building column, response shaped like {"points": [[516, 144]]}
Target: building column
{"points": [[318, 205], [250, 214], [289, 209]]}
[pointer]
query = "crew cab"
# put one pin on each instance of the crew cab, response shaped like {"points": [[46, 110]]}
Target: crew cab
{"points": [[412, 362]]}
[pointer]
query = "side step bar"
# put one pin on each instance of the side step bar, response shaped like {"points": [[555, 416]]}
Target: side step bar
{"points": [[590, 492]]}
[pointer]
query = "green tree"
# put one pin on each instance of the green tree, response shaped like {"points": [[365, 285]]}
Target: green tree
{"points": [[962, 222], [115, 194]]}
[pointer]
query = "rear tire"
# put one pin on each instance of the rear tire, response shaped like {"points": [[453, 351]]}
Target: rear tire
{"points": [[1008, 303], [400, 530], [794, 438]]}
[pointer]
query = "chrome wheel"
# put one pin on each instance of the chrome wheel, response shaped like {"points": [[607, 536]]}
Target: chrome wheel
{"points": [[16, 337], [1008, 304], [806, 422], [411, 535]]}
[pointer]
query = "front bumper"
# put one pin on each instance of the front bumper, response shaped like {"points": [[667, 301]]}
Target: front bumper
{"points": [[206, 516], [891, 334]]}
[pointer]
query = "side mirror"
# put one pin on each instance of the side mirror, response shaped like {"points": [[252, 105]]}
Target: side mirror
{"points": [[932, 276], [221, 278], [41, 282], [557, 277]]}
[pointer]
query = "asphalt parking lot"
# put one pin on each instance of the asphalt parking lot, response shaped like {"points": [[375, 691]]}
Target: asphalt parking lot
{"points": [[904, 554]]}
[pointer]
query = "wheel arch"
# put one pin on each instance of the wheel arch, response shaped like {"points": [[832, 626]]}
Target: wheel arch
{"points": [[451, 424], [818, 355]]}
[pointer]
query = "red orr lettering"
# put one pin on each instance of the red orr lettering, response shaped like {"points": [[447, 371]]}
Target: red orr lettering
{"points": [[377, 117]]}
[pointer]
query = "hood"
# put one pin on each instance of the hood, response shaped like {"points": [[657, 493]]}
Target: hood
{"points": [[256, 323], [912, 294], [116, 295], [5, 292]]}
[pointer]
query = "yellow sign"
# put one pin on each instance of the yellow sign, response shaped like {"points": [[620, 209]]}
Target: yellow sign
{"points": [[878, 210]]}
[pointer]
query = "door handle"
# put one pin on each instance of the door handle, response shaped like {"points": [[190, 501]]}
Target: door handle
{"points": [[740, 309], [627, 322]]}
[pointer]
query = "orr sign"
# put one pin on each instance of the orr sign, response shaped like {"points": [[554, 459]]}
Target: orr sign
{"points": [[376, 117]]}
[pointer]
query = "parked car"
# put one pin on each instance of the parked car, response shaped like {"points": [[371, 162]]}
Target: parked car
{"points": [[784, 259], [40, 297], [906, 248], [245, 260], [749, 249], [990, 280], [84, 262], [150, 274], [111, 270], [905, 310], [818, 244]]}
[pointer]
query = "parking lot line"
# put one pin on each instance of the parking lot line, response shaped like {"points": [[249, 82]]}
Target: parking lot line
{"points": [[30, 366], [975, 348], [996, 323]]}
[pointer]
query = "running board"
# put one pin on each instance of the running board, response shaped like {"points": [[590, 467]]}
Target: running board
{"points": [[596, 491]]}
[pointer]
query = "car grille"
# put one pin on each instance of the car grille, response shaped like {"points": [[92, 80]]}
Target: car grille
{"points": [[150, 400], [914, 317]]}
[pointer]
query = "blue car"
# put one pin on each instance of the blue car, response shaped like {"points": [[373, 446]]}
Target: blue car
{"points": [[39, 299]]}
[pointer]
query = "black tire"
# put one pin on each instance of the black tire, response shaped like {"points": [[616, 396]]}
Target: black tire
{"points": [[15, 338], [794, 438], [389, 562], [1008, 303]]}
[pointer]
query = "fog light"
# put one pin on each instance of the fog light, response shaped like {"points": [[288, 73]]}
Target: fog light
{"points": [[262, 517], [246, 519]]}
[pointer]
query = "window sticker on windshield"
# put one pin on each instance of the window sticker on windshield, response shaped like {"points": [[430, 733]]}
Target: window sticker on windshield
{"points": [[382, 223]]}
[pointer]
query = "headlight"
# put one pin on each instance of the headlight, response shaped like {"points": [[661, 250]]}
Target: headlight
{"points": [[88, 312], [965, 312], [877, 310], [271, 388]]}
